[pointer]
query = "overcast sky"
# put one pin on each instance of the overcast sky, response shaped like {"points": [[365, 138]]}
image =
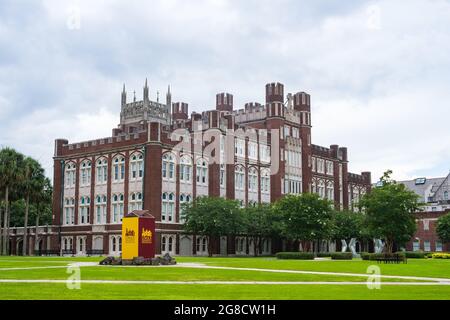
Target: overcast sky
{"points": [[378, 71]]}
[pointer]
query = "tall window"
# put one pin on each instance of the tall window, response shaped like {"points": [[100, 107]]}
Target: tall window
{"points": [[321, 189], [185, 169], [239, 178], [135, 202], [252, 150], [264, 152], [70, 175], [265, 181], [83, 217], [184, 198], [136, 166], [223, 177], [445, 195], [168, 244], [85, 173], [330, 191], [119, 168], [313, 164], [416, 245], [426, 246], [69, 211], [202, 172], [100, 209], [330, 168], [117, 208], [252, 179], [168, 166], [168, 207], [102, 171], [239, 147]]}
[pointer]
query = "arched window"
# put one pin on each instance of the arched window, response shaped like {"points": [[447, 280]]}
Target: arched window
{"points": [[183, 200], [70, 175], [252, 179], [135, 202], [321, 189], [330, 191], [185, 169], [239, 178], [202, 172], [100, 209], [223, 177], [313, 187], [168, 166], [265, 181], [85, 173], [136, 166], [168, 207], [102, 171], [117, 208], [83, 217], [119, 168], [69, 211]]}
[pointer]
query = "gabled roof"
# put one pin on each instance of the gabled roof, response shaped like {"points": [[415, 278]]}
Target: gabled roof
{"points": [[423, 189], [140, 214]]}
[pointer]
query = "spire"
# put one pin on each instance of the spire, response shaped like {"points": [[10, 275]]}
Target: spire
{"points": [[146, 98], [134, 96], [124, 95]]}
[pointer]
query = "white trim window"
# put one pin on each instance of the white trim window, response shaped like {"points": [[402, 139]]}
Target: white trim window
{"points": [[85, 173], [168, 166], [115, 245], [186, 169], [252, 179], [202, 172], [100, 209], [83, 217], [426, 246], [239, 178], [313, 164], [136, 166], [330, 170], [264, 153], [118, 168], [201, 245], [416, 245], [67, 243], [252, 150], [320, 165], [239, 147], [117, 208], [168, 244], [135, 202], [265, 181], [102, 171], [184, 198], [330, 191], [223, 177], [81, 245], [69, 211], [70, 174], [438, 246], [168, 207], [321, 189]]}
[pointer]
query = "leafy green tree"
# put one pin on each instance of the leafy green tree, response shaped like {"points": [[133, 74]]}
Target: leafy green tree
{"points": [[443, 227], [305, 217], [259, 222], [390, 211], [212, 217], [347, 224], [11, 174]]}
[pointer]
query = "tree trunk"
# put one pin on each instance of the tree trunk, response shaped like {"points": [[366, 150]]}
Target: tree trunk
{"points": [[5, 220], [209, 247], [25, 227], [36, 246], [255, 246], [389, 245], [1, 228]]}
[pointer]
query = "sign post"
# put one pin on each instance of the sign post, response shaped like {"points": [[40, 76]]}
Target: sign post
{"points": [[138, 235]]}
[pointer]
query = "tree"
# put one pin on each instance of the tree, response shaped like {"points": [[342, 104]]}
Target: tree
{"points": [[390, 211], [31, 186], [443, 227], [305, 217], [347, 224], [11, 173], [212, 217], [259, 223]]}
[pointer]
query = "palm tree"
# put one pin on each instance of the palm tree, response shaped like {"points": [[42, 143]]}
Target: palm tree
{"points": [[11, 163], [32, 184]]}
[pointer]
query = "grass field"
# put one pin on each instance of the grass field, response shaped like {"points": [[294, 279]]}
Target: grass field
{"points": [[222, 278]]}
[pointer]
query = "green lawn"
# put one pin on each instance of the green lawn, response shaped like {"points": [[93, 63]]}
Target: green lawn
{"points": [[415, 267]]}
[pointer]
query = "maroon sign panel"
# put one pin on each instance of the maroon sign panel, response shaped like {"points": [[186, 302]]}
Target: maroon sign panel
{"points": [[147, 237]]}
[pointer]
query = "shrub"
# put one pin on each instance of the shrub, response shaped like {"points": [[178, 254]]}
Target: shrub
{"points": [[441, 255], [295, 255], [365, 255], [341, 256], [323, 254], [413, 254]]}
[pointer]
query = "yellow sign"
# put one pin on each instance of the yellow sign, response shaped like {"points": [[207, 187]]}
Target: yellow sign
{"points": [[130, 245], [146, 236]]}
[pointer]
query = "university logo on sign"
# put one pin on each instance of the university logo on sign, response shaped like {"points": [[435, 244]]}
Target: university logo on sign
{"points": [[130, 236], [146, 235]]}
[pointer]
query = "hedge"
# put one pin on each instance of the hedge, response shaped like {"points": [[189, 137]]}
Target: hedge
{"points": [[365, 255], [413, 254], [295, 255], [323, 254], [341, 256], [375, 256], [440, 255]]}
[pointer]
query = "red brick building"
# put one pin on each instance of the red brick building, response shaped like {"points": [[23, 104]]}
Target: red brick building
{"points": [[161, 156]]}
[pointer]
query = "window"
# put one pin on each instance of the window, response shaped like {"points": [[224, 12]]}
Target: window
{"points": [[330, 168], [313, 164], [420, 181], [426, 224], [168, 244], [201, 245], [115, 245], [135, 201], [119, 168], [184, 198], [168, 166], [252, 180], [320, 166], [295, 133], [438, 246], [330, 191], [100, 209], [265, 181], [223, 177], [264, 153], [287, 130], [102, 171], [83, 217], [239, 178], [69, 211], [117, 208], [185, 169], [136, 166], [321, 189], [202, 172], [70, 175], [445, 195], [239, 147], [416, 245], [252, 150], [168, 207], [85, 173], [426, 246]]}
